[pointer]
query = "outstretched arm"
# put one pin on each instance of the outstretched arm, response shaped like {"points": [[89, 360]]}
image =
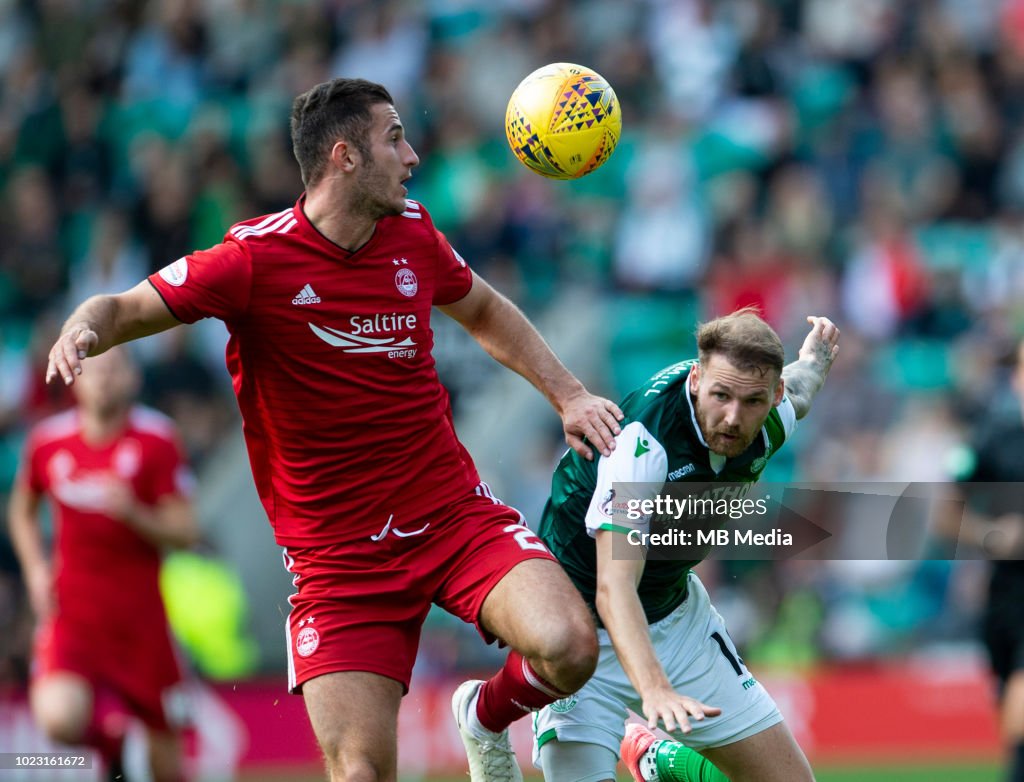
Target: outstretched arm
{"points": [[103, 321], [27, 539], [805, 376], [504, 332], [622, 614]]}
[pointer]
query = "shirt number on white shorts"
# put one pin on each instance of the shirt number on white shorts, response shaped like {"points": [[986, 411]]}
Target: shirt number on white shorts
{"points": [[525, 538], [734, 659]]}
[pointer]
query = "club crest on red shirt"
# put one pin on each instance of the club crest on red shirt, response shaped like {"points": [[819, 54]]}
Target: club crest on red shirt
{"points": [[406, 282]]}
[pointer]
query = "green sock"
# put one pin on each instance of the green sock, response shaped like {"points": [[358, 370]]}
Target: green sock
{"points": [[676, 762]]}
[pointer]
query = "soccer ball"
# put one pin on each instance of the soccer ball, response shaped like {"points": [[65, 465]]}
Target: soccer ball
{"points": [[563, 121]]}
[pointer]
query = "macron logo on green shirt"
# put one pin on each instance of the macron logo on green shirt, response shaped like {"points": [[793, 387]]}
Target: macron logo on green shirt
{"points": [[641, 447]]}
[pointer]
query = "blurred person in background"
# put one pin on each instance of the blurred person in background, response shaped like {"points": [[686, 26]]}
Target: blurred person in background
{"points": [[718, 418], [377, 504], [114, 475], [993, 521]]}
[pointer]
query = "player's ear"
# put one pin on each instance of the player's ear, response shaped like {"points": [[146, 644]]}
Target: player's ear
{"points": [[694, 379], [344, 156], [780, 391]]}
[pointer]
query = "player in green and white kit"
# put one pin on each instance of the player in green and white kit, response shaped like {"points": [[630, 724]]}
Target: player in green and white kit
{"points": [[664, 650]]}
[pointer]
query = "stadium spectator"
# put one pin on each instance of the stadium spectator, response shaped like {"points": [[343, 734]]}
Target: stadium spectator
{"points": [[114, 475], [720, 417], [351, 442]]}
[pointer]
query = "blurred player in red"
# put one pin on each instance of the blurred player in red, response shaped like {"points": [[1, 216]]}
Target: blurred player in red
{"points": [[118, 488], [377, 505]]}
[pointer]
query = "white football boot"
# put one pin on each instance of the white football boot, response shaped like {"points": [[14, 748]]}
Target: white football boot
{"points": [[490, 755]]}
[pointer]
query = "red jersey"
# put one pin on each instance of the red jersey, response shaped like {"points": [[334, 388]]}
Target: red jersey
{"points": [[345, 419], [104, 571]]}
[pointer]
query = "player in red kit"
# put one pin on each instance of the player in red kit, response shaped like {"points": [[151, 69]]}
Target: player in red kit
{"points": [[114, 476], [377, 505]]}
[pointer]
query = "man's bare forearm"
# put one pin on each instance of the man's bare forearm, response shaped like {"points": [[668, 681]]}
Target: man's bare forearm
{"points": [[623, 617], [103, 321], [114, 320], [26, 537], [803, 381], [100, 315], [171, 523], [506, 334]]}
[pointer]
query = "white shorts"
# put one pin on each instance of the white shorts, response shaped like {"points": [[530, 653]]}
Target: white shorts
{"points": [[701, 662]]}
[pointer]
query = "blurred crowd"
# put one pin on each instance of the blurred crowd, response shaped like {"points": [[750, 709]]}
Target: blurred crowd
{"points": [[857, 158]]}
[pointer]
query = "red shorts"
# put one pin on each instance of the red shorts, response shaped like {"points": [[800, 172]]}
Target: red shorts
{"points": [[360, 605], [135, 663]]}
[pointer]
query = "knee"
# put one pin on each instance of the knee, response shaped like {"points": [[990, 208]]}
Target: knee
{"points": [[62, 708], [571, 654], [348, 766], [65, 726], [356, 771]]}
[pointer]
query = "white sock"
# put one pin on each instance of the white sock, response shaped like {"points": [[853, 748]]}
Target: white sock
{"points": [[473, 723]]}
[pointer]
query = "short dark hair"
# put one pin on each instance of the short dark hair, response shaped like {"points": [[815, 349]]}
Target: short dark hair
{"points": [[744, 338], [336, 109]]}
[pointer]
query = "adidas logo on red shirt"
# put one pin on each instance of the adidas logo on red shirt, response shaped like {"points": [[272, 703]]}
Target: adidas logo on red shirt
{"points": [[306, 296]]}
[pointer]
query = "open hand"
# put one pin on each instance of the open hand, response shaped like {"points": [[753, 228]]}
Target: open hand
{"points": [[120, 500], [593, 417], [67, 353], [821, 346], [673, 709]]}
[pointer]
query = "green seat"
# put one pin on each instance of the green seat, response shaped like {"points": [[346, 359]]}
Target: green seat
{"points": [[914, 365], [955, 245]]}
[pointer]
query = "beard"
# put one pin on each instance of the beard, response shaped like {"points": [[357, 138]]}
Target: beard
{"points": [[731, 446], [371, 198]]}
